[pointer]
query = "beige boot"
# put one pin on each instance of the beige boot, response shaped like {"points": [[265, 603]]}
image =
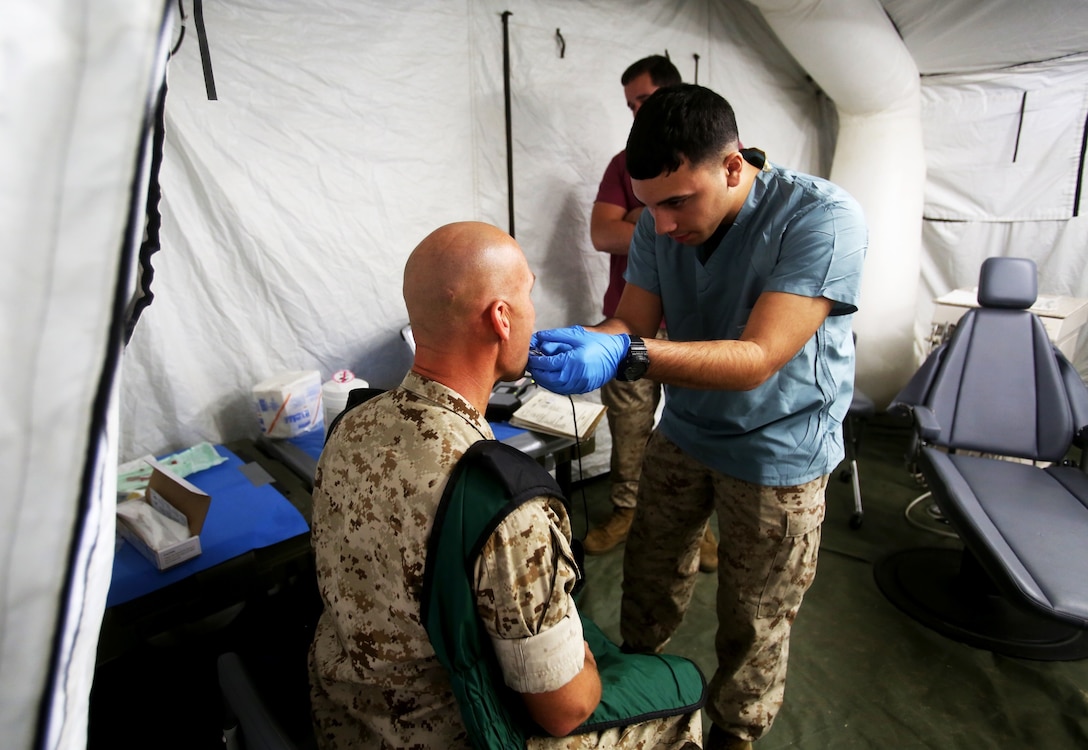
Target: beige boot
{"points": [[610, 533], [708, 552]]}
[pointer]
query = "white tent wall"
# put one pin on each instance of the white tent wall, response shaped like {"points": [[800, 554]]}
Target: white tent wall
{"points": [[873, 81], [341, 133], [75, 82], [963, 36], [1005, 153], [344, 132]]}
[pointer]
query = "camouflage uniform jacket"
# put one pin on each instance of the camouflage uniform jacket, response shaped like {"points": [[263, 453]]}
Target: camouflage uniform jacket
{"points": [[375, 679]]}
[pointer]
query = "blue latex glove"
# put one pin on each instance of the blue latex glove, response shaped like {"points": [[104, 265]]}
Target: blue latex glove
{"points": [[574, 360]]}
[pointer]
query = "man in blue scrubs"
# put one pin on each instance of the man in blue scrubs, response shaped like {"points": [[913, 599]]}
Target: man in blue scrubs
{"points": [[757, 269]]}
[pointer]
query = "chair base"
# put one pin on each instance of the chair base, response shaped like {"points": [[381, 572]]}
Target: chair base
{"points": [[926, 584]]}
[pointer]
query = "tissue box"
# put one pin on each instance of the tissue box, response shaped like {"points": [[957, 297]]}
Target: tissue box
{"points": [[289, 404], [175, 498]]}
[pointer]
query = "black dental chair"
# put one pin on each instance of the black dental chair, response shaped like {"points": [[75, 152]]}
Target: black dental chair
{"points": [[996, 410]]}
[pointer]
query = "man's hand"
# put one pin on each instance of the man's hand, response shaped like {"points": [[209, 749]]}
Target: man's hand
{"points": [[574, 360]]}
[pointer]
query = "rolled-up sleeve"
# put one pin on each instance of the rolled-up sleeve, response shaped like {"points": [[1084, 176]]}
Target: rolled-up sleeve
{"points": [[524, 577]]}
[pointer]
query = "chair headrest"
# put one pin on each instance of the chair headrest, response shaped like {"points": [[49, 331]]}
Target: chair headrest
{"points": [[1011, 283]]}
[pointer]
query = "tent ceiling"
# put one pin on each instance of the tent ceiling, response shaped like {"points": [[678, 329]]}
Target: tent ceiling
{"points": [[959, 36]]}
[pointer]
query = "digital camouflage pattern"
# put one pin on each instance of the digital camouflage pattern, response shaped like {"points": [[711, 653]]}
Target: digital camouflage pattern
{"points": [[630, 414], [632, 409], [770, 538], [375, 680]]}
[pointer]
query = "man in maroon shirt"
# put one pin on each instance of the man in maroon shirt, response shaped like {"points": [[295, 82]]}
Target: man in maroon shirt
{"points": [[631, 405]]}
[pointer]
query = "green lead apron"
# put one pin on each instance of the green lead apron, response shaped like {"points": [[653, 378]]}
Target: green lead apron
{"points": [[489, 482]]}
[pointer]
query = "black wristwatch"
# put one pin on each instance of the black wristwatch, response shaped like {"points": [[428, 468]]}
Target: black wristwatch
{"points": [[635, 363]]}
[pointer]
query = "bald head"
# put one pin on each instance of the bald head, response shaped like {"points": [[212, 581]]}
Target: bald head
{"points": [[454, 275]]}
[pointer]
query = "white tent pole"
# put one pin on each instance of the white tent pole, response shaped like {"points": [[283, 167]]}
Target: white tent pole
{"points": [[853, 52]]}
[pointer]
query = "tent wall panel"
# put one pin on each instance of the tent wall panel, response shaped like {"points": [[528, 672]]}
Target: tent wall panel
{"points": [[345, 132], [1006, 145], [873, 81], [75, 104]]}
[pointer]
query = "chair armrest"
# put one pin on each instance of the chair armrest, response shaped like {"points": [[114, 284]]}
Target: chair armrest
{"points": [[917, 388], [925, 424], [900, 409], [921, 417]]}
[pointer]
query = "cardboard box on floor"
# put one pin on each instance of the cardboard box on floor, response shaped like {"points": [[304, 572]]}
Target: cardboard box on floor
{"points": [[175, 498]]}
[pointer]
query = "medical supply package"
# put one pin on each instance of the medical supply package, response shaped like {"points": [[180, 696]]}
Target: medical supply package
{"points": [[289, 404], [165, 527]]}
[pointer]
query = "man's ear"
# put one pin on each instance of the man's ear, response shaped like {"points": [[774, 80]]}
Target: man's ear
{"points": [[733, 164], [498, 313]]}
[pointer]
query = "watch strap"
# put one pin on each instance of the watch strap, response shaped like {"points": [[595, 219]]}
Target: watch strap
{"points": [[634, 365]]}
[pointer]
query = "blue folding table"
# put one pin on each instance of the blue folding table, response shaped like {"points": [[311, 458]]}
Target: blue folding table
{"points": [[253, 540]]}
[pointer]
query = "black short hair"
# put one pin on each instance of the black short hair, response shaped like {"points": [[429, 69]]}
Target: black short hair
{"points": [[662, 71], [677, 123]]}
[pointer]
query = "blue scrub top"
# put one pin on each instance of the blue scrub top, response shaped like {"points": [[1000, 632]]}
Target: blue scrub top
{"points": [[797, 234]]}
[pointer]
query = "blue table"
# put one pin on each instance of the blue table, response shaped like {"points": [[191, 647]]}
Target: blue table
{"points": [[301, 452], [241, 517]]}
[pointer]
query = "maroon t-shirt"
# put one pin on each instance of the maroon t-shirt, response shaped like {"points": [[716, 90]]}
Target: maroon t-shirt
{"points": [[616, 189]]}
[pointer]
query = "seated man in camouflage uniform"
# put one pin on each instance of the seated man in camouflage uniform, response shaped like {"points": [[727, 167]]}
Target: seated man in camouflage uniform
{"points": [[376, 681]]}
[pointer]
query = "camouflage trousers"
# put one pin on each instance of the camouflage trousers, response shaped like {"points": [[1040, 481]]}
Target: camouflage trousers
{"points": [[631, 410], [665, 733], [769, 542]]}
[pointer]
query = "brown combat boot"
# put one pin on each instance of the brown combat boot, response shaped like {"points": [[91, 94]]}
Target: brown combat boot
{"points": [[610, 533], [708, 551]]}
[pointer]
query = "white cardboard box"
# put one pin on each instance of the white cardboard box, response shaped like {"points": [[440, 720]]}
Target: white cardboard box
{"points": [[289, 404], [175, 498], [1062, 317]]}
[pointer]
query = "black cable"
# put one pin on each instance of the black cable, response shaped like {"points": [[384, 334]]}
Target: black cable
{"points": [[577, 447]]}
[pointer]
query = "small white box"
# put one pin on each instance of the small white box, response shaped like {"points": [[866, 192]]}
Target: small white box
{"points": [[175, 498], [289, 404]]}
